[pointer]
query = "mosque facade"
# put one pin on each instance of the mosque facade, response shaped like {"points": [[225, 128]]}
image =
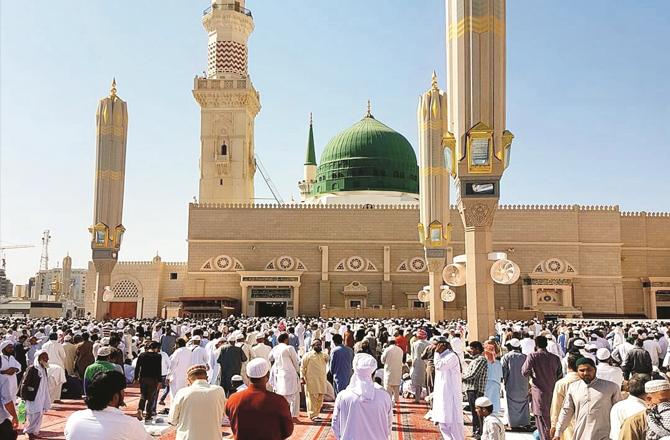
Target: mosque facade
{"points": [[351, 247]]}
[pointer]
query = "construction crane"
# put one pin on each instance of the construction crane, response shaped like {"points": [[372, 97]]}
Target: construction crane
{"points": [[3, 248], [44, 259], [271, 186]]}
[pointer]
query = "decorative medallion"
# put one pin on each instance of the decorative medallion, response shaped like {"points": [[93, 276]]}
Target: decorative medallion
{"points": [[285, 263], [223, 262], [555, 266], [477, 214], [355, 264], [417, 264]]}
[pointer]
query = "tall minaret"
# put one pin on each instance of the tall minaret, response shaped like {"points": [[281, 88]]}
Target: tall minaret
{"points": [[309, 170], [434, 173], [476, 65], [110, 175], [229, 105], [67, 276]]}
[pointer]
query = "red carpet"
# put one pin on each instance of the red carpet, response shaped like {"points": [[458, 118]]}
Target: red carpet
{"points": [[408, 423]]}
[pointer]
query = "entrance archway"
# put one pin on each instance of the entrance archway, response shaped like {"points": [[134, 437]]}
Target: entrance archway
{"points": [[275, 309]]}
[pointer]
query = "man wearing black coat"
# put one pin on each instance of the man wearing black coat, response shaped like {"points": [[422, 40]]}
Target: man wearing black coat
{"points": [[637, 361]]}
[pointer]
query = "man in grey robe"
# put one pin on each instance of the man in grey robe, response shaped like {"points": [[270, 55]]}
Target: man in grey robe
{"points": [[418, 371], [590, 402], [516, 386], [544, 369], [230, 359]]}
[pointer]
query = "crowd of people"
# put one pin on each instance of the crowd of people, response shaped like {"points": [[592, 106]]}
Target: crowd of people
{"points": [[596, 380]]}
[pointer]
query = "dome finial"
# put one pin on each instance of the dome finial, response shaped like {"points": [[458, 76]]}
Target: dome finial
{"points": [[112, 92], [369, 113], [435, 86], [310, 118]]}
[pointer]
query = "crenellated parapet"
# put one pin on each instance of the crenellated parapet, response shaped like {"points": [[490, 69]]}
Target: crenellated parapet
{"points": [[611, 208], [414, 206], [645, 214], [305, 206]]}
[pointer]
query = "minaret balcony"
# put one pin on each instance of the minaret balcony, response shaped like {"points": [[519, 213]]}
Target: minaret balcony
{"points": [[228, 7]]}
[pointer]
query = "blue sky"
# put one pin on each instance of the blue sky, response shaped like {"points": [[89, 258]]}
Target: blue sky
{"points": [[588, 99]]}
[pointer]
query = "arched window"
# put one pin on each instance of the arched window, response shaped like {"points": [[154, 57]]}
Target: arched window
{"points": [[224, 149]]}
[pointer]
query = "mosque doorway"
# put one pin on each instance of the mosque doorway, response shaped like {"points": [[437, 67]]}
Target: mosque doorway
{"points": [[663, 312], [122, 310], [275, 309]]}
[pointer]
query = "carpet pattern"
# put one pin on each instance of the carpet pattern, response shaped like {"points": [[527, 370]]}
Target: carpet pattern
{"points": [[408, 421]]}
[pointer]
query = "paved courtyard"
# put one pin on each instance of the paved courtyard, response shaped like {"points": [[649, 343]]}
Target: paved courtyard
{"points": [[408, 423]]}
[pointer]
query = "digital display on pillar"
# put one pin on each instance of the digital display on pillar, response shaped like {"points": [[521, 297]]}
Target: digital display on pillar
{"points": [[479, 154], [480, 189]]}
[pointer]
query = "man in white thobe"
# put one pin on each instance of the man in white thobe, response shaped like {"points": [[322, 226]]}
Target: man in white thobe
{"points": [[589, 401], [198, 409], [246, 349], [10, 366], [213, 355], [180, 362], [198, 354], [261, 349], [458, 347], [447, 395], [284, 374], [630, 406], [392, 360], [55, 350], [300, 333], [605, 370], [363, 410], [36, 408]]}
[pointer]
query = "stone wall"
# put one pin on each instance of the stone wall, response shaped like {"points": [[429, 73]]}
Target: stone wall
{"points": [[610, 250]]}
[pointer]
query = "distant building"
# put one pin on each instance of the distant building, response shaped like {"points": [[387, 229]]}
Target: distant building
{"points": [[21, 291], [45, 279], [6, 286]]}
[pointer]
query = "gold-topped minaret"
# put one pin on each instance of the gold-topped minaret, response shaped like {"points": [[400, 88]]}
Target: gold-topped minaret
{"points": [[110, 174], [476, 66], [434, 172]]}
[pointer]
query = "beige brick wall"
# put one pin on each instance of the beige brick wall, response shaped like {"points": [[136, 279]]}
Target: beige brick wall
{"points": [[611, 251]]}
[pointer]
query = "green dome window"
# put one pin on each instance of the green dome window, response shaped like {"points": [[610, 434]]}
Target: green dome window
{"points": [[359, 157]]}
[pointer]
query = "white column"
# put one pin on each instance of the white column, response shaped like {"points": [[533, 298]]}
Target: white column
{"points": [[653, 312], [296, 299], [387, 263], [324, 263]]}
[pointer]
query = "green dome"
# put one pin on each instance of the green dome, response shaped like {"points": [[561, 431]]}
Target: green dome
{"points": [[367, 156]]}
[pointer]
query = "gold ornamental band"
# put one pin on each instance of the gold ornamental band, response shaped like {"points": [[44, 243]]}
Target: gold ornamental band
{"points": [[433, 171], [109, 175], [113, 130], [478, 25]]}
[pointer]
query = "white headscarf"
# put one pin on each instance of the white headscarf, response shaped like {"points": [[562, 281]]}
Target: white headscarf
{"points": [[361, 382], [4, 344], [36, 361]]}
